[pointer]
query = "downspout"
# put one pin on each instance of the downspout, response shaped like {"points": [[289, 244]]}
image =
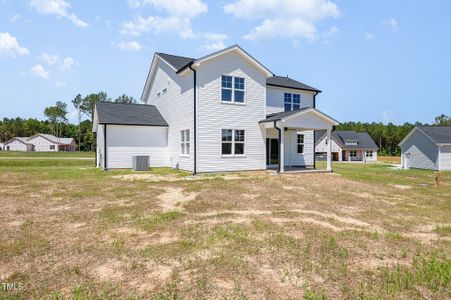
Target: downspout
{"points": [[314, 99], [105, 166], [280, 138], [195, 118]]}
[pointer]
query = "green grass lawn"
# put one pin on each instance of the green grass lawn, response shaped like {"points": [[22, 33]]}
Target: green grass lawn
{"points": [[71, 231]]}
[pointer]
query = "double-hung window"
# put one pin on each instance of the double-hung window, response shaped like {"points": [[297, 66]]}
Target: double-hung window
{"points": [[300, 143], [232, 142], [184, 142], [369, 153], [232, 89], [292, 101], [353, 153]]}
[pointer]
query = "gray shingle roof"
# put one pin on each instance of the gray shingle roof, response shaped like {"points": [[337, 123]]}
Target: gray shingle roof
{"points": [[178, 62], [129, 114], [363, 139], [289, 83], [57, 140], [181, 62], [439, 134]]}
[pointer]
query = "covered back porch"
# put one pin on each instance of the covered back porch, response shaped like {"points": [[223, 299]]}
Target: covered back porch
{"points": [[290, 139]]}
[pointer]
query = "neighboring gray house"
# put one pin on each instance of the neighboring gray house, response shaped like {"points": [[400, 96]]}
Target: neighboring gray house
{"points": [[427, 147], [221, 112], [348, 146]]}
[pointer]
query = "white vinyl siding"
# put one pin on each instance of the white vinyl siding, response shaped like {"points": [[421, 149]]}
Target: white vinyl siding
{"points": [[292, 157], [16, 145], [275, 98], [42, 144], [445, 158], [176, 106], [214, 115], [123, 142], [100, 146]]}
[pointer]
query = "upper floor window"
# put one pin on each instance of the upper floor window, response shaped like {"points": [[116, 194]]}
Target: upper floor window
{"points": [[292, 101], [184, 142], [300, 143], [232, 142], [232, 89]]}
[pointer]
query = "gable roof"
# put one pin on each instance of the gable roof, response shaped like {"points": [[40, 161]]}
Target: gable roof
{"points": [[363, 139], [53, 139], [177, 62], [286, 82], [129, 114], [282, 115], [22, 140], [437, 134]]}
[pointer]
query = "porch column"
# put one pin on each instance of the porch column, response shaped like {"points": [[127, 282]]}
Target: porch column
{"points": [[282, 149], [329, 150]]}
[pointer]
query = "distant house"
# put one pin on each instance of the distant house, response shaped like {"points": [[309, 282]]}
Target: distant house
{"points": [[1, 146], [40, 143], [18, 144], [347, 146], [427, 147]]}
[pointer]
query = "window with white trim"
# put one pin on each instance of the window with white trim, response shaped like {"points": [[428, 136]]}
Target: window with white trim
{"points": [[353, 153], [232, 142], [369, 153], [52, 147], [184, 142], [292, 101], [300, 141], [232, 89]]}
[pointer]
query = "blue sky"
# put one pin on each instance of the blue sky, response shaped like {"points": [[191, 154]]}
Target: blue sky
{"points": [[374, 60]]}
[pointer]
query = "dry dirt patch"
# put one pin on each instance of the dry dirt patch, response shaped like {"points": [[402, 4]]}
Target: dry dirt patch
{"points": [[174, 198]]}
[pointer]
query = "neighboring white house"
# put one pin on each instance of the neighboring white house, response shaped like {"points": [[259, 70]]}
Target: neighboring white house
{"points": [[1, 146], [348, 146], [18, 144], [40, 142], [222, 112], [427, 147]]}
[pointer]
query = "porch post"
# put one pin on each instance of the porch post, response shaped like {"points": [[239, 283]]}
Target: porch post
{"points": [[329, 150], [282, 149]]}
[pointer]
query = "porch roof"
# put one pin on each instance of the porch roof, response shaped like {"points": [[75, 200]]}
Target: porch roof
{"points": [[284, 115]]}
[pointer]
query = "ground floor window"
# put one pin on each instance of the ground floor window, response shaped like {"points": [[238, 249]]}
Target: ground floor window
{"points": [[353, 153], [184, 142], [52, 147], [232, 142], [369, 153], [300, 141]]}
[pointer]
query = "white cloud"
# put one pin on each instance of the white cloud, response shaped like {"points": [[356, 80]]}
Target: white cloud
{"points": [[60, 84], [369, 36], [180, 8], [59, 8], [40, 71], [49, 59], [130, 46], [214, 41], [158, 25], [68, 63], [283, 18], [9, 46], [178, 17], [391, 23]]}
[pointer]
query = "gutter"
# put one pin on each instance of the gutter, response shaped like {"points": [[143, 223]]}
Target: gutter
{"points": [[195, 116], [280, 138], [105, 166], [314, 99]]}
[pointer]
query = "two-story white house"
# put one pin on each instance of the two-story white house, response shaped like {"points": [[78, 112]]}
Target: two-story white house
{"points": [[221, 112]]}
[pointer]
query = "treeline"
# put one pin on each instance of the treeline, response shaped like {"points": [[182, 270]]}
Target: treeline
{"points": [[57, 121], [388, 136]]}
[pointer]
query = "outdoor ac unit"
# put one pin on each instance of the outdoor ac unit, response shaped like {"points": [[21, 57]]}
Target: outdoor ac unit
{"points": [[141, 163]]}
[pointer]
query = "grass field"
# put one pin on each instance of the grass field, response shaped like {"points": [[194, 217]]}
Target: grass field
{"points": [[70, 231]]}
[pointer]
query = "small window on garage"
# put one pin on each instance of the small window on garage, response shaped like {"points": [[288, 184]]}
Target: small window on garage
{"points": [[184, 142]]}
